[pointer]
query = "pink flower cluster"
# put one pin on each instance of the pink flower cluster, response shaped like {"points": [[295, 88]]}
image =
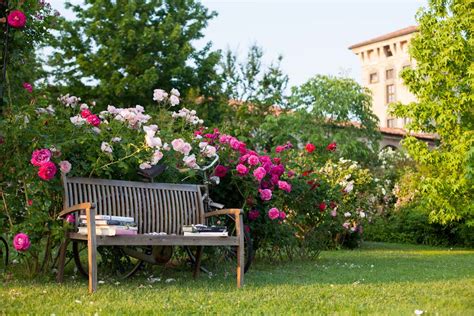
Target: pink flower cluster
{"points": [[265, 171], [275, 213], [92, 119], [47, 169]]}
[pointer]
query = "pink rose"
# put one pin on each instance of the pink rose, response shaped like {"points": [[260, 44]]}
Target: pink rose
{"points": [[322, 206], [21, 242], [346, 225], [277, 170], [220, 171], [265, 194], [265, 159], [177, 144], [40, 156], [274, 213], [93, 120], [259, 173], [30, 202], [16, 19], [86, 113], [254, 214], [186, 149], [65, 166], [282, 215], [234, 143], [285, 186], [253, 160], [47, 171], [70, 218], [279, 149], [28, 87], [241, 169], [243, 158], [334, 213]]}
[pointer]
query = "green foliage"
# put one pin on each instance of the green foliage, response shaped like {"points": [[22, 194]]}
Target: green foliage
{"points": [[23, 64], [411, 225], [119, 51], [323, 108], [443, 84]]}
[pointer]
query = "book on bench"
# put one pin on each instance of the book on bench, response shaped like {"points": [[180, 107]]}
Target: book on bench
{"points": [[207, 234], [204, 230], [200, 228], [110, 218], [110, 230]]}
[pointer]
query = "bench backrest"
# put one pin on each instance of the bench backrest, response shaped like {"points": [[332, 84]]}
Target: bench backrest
{"points": [[156, 207]]}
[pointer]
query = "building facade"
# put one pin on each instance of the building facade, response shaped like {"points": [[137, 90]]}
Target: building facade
{"points": [[382, 59]]}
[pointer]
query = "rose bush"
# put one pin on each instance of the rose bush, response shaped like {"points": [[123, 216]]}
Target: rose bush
{"points": [[287, 195]]}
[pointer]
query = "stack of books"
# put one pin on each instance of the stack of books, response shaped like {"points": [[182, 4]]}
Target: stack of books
{"points": [[205, 231], [108, 225]]}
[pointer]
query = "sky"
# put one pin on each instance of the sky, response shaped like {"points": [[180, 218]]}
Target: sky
{"points": [[313, 36]]}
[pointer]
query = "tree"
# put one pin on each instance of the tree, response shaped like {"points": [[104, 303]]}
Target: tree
{"points": [[253, 90], [119, 51], [327, 109], [19, 62], [443, 84]]}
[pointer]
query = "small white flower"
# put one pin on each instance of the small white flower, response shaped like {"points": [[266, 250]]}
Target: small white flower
{"points": [[362, 214], [418, 312], [175, 92], [157, 155], [174, 100], [106, 148], [152, 141], [116, 140], [150, 129], [190, 161], [347, 214], [77, 120], [96, 130], [166, 147], [145, 165], [83, 106], [159, 95]]}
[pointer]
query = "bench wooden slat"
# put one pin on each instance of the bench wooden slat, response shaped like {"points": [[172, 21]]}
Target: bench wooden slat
{"points": [[159, 240]]}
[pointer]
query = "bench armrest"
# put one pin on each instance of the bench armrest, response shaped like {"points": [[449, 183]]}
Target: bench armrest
{"points": [[230, 211], [75, 208]]}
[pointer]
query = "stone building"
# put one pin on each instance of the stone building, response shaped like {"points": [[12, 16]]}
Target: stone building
{"points": [[382, 59]]}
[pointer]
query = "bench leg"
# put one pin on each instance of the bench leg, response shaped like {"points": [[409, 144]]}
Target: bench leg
{"points": [[91, 250], [240, 266], [197, 265], [62, 261]]}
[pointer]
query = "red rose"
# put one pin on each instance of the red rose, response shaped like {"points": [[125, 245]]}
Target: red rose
{"points": [[47, 171], [93, 120], [322, 206], [220, 171], [310, 148], [86, 113], [332, 146]]}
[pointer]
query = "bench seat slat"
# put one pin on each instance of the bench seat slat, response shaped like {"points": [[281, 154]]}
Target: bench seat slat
{"points": [[159, 240]]}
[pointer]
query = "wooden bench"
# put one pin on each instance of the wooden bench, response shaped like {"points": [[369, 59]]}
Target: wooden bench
{"points": [[156, 207]]}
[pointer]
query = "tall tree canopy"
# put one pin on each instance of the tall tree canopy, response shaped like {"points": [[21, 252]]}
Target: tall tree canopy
{"points": [[119, 51], [327, 109], [443, 84]]}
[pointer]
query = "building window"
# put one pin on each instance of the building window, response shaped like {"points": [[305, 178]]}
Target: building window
{"points": [[404, 45], [370, 55], [374, 77], [390, 93], [389, 74], [391, 122], [387, 51]]}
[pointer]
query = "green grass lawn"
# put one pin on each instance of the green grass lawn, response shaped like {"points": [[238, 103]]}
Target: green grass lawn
{"points": [[377, 279]]}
